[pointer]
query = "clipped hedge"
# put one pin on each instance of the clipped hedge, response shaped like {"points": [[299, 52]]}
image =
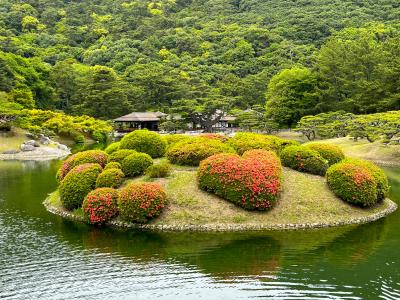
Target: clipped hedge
{"points": [[101, 205], [252, 181], [145, 141], [90, 156], [214, 136], [160, 170], [119, 155], [379, 175], [353, 183], [139, 202], [136, 163], [77, 184], [111, 178], [172, 139], [244, 141], [112, 148], [113, 165], [332, 153], [192, 152], [304, 159]]}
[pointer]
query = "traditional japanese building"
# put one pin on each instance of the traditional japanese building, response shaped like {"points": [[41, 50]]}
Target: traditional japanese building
{"points": [[139, 120]]}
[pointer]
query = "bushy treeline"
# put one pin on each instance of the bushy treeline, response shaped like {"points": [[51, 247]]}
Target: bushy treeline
{"points": [[104, 58], [380, 126]]}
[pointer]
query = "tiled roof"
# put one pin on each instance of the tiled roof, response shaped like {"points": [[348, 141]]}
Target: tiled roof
{"points": [[141, 116]]}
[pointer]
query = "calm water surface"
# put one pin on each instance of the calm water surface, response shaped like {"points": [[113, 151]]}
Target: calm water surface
{"points": [[45, 257]]}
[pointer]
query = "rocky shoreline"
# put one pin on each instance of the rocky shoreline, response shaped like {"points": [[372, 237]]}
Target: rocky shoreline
{"points": [[391, 207]]}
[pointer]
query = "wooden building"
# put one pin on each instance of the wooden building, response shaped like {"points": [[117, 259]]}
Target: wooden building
{"points": [[139, 120]]}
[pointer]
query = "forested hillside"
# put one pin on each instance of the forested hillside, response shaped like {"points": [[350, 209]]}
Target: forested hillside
{"points": [[107, 57]]}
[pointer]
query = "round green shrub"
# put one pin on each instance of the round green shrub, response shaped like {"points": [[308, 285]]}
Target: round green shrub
{"points": [[252, 181], [172, 139], [332, 153], [145, 141], [304, 159], [111, 178], [379, 175], [353, 183], [119, 155], [192, 152], [113, 165], [112, 148], [136, 163], [139, 202], [90, 156], [77, 184], [160, 170], [101, 205]]}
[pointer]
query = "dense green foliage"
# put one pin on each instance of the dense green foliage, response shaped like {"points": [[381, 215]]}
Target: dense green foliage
{"points": [[112, 148], [304, 159], [90, 156], [104, 58], [191, 152], [252, 182], [111, 178], [380, 126], [77, 184], [332, 153], [144, 141], [113, 165], [353, 182], [136, 164], [100, 205], [139, 202], [160, 170], [119, 156]]}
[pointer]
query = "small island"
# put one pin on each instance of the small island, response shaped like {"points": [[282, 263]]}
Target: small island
{"points": [[248, 182]]}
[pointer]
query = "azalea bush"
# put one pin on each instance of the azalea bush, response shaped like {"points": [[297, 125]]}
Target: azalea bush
{"points": [[252, 181], [100, 205], [113, 165], [332, 153], [215, 136], [139, 202], [77, 184], [112, 148], [136, 163], [119, 155], [172, 139], [111, 178], [160, 170], [90, 156], [304, 159], [144, 141], [191, 152], [353, 182]]}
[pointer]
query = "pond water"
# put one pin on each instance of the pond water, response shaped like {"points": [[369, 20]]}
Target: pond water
{"points": [[45, 257]]}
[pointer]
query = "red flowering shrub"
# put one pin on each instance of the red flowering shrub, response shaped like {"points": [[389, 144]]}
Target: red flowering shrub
{"points": [[191, 152], [90, 156], [332, 153], [252, 181], [100, 205], [214, 136], [353, 183], [77, 184], [304, 159], [141, 201]]}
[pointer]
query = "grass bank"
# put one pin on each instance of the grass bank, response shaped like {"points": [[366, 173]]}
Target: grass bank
{"points": [[306, 202]]}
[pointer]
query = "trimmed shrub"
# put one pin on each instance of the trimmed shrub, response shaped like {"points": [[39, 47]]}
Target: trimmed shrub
{"points": [[214, 136], [141, 201], [77, 184], [144, 141], [112, 148], [332, 153], [191, 152], [90, 156], [101, 205], [304, 159], [244, 141], [252, 182], [120, 155], [379, 175], [136, 163], [172, 139], [353, 183], [111, 178], [113, 165], [160, 170]]}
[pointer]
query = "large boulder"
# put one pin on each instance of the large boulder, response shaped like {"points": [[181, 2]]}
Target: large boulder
{"points": [[27, 148]]}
